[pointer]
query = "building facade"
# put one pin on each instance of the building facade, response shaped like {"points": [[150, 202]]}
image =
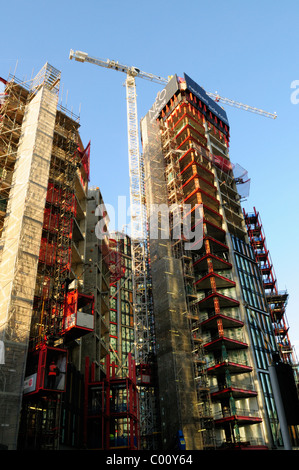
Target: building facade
{"points": [[57, 321], [70, 374], [112, 414], [45, 309], [214, 337]]}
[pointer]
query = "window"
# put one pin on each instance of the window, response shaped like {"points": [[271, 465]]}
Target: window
{"points": [[113, 316], [113, 329], [113, 343]]}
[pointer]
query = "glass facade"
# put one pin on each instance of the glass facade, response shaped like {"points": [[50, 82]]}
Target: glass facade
{"points": [[260, 326], [121, 311]]}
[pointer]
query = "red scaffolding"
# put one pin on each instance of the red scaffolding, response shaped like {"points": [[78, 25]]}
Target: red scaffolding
{"points": [[277, 300], [85, 159], [114, 260], [111, 418]]}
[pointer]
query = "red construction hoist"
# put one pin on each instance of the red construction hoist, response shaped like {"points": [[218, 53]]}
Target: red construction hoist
{"points": [[111, 409], [60, 314]]}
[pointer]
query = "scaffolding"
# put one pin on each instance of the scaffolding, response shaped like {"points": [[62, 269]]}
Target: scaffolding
{"points": [[203, 329], [176, 199], [277, 300], [62, 312], [177, 393], [111, 409], [11, 118], [43, 166], [28, 142]]}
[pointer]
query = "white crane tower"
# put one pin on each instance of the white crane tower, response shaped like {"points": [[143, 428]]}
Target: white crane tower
{"points": [[137, 203]]}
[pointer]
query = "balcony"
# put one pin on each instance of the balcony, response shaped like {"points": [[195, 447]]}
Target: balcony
{"points": [[81, 211], [216, 246], [230, 339], [257, 243], [78, 235], [216, 143], [187, 132], [226, 391], [239, 416], [269, 284], [223, 300], [261, 255], [194, 180], [214, 231], [221, 282], [266, 269], [219, 367], [193, 168], [188, 119], [77, 257], [220, 264], [198, 195], [227, 322], [212, 216]]}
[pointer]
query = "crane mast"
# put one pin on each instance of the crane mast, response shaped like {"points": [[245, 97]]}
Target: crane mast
{"points": [[137, 198]]}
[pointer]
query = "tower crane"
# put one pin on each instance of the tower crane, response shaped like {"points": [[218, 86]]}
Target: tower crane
{"points": [[138, 216], [137, 199], [141, 295], [136, 72]]}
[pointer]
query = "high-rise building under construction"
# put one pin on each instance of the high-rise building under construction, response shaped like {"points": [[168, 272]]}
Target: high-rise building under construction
{"points": [[45, 311], [70, 375], [59, 331], [218, 362]]}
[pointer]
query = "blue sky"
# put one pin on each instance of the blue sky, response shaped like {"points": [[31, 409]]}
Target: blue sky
{"points": [[247, 51]]}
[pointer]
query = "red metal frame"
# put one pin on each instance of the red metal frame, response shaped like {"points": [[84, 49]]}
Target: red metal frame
{"points": [[74, 301], [85, 159], [114, 260], [39, 362], [144, 374], [112, 413], [276, 300]]}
